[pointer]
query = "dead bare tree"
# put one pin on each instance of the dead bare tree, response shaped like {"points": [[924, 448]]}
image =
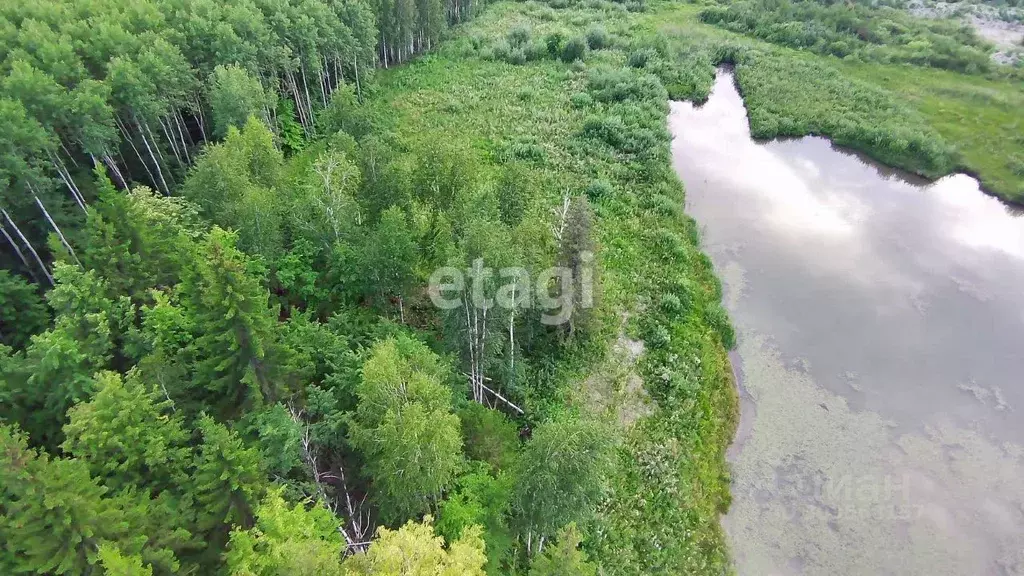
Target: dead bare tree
{"points": [[357, 524]]}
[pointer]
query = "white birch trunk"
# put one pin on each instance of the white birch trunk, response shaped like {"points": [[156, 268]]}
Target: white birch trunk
{"points": [[156, 163], [66, 178], [17, 250], [115, 171], [56, 229], [128, 137], [173, 142], [28, 245]]}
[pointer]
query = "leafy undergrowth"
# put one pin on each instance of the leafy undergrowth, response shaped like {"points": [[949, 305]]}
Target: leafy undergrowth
{"points": [[597, 126]]}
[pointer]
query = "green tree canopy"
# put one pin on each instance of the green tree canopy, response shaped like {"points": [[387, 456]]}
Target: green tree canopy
{"points": [[405, 429]]}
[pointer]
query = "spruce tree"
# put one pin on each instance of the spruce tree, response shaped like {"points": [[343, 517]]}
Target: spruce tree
{"points": [[227, 484], [235, 327], [53, 515]]}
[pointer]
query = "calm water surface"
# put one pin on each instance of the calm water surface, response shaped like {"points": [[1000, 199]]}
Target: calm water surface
{"points": [[881, 354]]}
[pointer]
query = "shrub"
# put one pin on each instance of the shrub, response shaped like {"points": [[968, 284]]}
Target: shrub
{"points": [[608, 129], [620, 84], [657, 336], [718, 319], [641, 58], [536, 50], [598, 38], [664, 205], [500, 51], [489, 436], [519, 36], [598, 189], [682, 289], [1016, 166], [636, 6], [580, 100], [553, 41], [575, 49], [517, 56], [671, 243], [530, 151], [671, 305]]}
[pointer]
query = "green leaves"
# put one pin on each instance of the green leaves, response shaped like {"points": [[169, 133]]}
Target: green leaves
{"points": [[234, 97], [561, 474], [236, 328], [413, 550], [129, 435], [22, 312], [564, 558], [286, 540], [227, 484], [52, 514], [236, 183], [404, 428]]}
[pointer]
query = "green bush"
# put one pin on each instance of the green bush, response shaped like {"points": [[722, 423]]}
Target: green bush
{"points": [[673, 305], [641, 57], [598, 38], [489, 436], [519, 36], [500, 51], [517, 55], [670, 243], [664, 206], [553, 41], [536, 50], [608, 129], [657, 336], [1016, 165], [718, 318], [598, 189], [575, 49], [580, 100]]}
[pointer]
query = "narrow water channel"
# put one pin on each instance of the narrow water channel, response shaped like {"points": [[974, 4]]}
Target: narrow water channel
{"points": [[881, 354]]}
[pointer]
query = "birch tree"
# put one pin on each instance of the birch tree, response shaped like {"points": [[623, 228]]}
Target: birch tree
{"points": [[560, 477], [404, 427]]}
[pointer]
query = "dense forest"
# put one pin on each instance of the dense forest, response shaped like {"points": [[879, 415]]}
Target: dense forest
{"points": [[222, 348], [296, 287]]}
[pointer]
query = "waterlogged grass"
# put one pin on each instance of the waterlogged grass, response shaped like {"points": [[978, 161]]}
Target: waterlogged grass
{"points": [[924, 120], [791, 96], [984, 118], [597, 127]]}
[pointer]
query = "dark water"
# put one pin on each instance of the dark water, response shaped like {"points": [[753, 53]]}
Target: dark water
{"points": [[881, 352]]}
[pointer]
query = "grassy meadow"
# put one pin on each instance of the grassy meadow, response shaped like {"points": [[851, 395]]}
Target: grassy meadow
{"points": [[504, 89], [597, 126]]}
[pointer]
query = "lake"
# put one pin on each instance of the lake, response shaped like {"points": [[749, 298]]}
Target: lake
{"points": [[880, 354]]}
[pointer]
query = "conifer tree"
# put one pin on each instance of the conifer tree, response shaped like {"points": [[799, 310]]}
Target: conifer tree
{"points": [[235, 327], [128, 435], [53, 515], [22, 311], [227, 484]]}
